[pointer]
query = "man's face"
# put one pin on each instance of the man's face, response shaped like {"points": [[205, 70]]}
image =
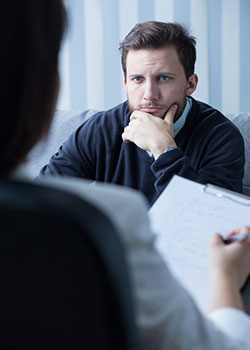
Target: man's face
{"points": [[156, 80]]}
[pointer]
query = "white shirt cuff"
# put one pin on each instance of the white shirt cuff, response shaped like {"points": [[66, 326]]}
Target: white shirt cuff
{"points": [[234, 322]]}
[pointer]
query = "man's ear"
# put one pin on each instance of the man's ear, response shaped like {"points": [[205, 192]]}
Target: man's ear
{"points": [[125, 84], [192, 84]]}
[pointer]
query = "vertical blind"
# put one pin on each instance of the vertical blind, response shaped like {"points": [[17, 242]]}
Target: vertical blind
{"points": [[91, 74]]}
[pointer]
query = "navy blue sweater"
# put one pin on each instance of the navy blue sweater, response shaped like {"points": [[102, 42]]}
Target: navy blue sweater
{"points": [[210, 150]]}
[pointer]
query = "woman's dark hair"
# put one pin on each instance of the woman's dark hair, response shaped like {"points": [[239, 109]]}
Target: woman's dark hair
{"points": [[156, 35], [30, 35]]}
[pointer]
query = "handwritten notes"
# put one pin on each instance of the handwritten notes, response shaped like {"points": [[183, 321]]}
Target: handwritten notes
{"points": [[184, 217]]}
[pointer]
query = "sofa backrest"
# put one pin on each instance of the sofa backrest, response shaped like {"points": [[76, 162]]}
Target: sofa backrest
{"points": [[65, 122], [242, 121], [63, 125]]}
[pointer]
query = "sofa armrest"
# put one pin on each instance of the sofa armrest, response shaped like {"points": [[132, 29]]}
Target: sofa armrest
{"points": [[63, 125]]}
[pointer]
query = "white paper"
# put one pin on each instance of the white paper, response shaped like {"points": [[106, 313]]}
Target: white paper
{"points": [[184, 217]]}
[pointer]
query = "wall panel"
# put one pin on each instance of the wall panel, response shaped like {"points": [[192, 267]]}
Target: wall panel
{"points": [[91, 74]]}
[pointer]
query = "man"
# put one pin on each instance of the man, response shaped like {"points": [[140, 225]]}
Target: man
{"points": [[161, 130]]}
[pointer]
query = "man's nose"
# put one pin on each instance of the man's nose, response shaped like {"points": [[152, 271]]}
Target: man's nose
{"points": [[151, 91]]}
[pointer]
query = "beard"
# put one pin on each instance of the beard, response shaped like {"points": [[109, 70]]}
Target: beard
{"points": [[181, 103]]}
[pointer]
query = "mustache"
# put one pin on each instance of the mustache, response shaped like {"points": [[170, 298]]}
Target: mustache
{"points": [[153, 105]]}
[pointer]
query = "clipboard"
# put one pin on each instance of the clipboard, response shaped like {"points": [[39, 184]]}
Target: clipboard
{"points": [[184, 217], [226, 194]]}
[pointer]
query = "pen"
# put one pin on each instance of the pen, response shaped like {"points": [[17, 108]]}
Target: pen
{"points": [[238, 237]]}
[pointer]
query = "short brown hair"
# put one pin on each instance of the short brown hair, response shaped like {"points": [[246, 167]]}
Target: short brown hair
{"points": [[156, 35], [30, 36]]}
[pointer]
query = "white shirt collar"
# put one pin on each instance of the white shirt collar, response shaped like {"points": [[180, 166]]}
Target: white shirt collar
{"points": [[178, 125]]}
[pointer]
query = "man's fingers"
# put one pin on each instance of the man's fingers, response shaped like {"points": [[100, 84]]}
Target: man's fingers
{"points": [[133, 116], [126, 134], [124, 138], [169, 117], [137, 114]]}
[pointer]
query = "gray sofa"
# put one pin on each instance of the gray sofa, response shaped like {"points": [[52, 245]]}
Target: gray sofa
{"points": [[65, 122], [242, 121]]}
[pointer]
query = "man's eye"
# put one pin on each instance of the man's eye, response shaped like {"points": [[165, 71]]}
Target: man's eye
{"points": [[137, 79], [164, 78]]}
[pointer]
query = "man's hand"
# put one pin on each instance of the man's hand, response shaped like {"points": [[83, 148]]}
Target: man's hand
{"points": [[151, 133]]}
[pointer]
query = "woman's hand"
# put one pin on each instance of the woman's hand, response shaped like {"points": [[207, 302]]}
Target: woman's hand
{"points": [[229, 269]]}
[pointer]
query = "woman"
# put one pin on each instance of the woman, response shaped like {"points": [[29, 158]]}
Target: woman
{"points": [[31, 33]]}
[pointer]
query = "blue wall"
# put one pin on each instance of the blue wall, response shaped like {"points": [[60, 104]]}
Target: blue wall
{"points": [[91, 75]]}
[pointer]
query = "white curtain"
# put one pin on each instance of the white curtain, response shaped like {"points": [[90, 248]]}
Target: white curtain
{"points": [[91, 74]]}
